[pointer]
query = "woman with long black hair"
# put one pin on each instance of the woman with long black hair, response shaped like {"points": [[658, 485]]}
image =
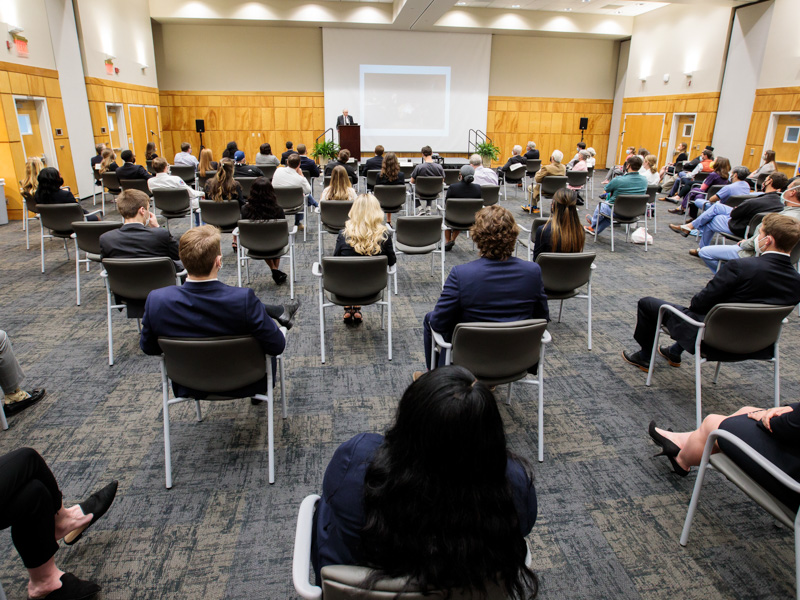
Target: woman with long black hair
{"points": [[50, 191], [439, 499], [262, 205]]}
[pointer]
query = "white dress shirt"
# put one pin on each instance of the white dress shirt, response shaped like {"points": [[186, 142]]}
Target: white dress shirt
{"points": [[164, 181], [285, 177], [484, 176], [186, 159]]}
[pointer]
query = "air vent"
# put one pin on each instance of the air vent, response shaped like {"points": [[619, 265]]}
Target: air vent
{"points": [[613, 7]]}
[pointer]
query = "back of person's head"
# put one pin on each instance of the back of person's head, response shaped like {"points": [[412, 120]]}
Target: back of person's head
{"points": [[531, 145], [289, 145], [557, 156], [592, 151], [108, 158], [206, 156], [99, 148], [427, 151], [126, 156], [130, 201], [301, 149], [475, 160], [262, 196], [185, 147], [495, 232], [265, 149], [582, 145], [199, 249], [379, 150], [708, 154], [741, 172], [365, 230], [584, 154], [149, 150], [779, 181], [722, 167], [467, 174], [516, 150], [33, 166], [239, 156], [566, 232], [160, 165], [643, 152], [339, 184], [650, 163], [49, 182], [633, 162], [769, 156], [438, 505], [232, 147], [390, 167], [785, 230], [223, 185], [293, 161], [344, 155]]}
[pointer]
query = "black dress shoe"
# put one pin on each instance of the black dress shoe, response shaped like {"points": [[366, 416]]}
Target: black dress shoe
{"points": [[278, 276], [668, 448], [449, 246], [97, 504], [636, 359], [674, 361], [17, 407], [287, 318], [71, 588]]}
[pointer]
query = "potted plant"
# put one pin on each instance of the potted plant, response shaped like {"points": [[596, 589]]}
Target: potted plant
{"points": [[488, 151], [322, 152]]}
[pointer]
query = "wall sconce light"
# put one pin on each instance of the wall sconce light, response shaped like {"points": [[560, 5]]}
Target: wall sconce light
{"points": [[689, 75], [642, 77], [666, 77], [14, 29], [143, 67]]}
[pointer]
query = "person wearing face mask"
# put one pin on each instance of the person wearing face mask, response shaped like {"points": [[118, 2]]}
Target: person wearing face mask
{"points": [[769, 278], [711, 255]]}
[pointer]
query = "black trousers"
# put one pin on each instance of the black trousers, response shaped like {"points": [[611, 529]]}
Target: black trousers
{"points": [[29, 500], [647, 318]]}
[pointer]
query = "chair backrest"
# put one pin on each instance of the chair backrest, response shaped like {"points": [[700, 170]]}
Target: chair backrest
{"points": [[202, 180], [391, 197], [754, 222], [135, 278], [223, 214], [268, 171], [30, 202], [172, 200], [59, 217], [735, 201], [760, 181], [652, 192], [334, 213], [110, 180], [135, 184], [290, 198], [149, 163], [407, 170], [326, 180], [563, 272], [451, 176], [552, 183], [700, 177], [577, 178], [630, 206], [532, 165], [461, 211], [185, 172], [246, 183], [794, 256], [490, 194], [214, 365], [590, 171], [87, 233], [498, 352], [354, 276], [515, 175], [740, 328], [418, 231], [372, 176], [712, 191], [264, 237], [428, 187], [538, 222]]}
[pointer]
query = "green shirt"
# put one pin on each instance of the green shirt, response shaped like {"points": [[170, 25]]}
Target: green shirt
{"points": [[630, 183]]}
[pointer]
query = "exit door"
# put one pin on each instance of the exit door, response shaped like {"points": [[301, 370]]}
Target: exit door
{"points": [[30, 130]]}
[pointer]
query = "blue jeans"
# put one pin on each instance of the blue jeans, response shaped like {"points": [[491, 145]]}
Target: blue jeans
{"points": [[601, 218], [714, 220], [711, 255], [310, 200]]}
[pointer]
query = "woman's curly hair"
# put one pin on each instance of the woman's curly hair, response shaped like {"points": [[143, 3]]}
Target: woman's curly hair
{"points": [[495, 232]]}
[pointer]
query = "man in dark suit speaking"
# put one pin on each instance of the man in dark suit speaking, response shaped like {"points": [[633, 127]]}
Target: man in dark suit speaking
{"points": [[344, 118], [767, 278]]}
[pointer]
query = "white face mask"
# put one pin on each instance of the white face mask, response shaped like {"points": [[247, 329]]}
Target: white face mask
{"points": [[759, 249], [784, 199]]}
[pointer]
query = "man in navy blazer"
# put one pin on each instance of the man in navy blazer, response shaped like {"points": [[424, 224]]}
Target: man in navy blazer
{"points": [[206, 307], [767, 278], [496, 287]]}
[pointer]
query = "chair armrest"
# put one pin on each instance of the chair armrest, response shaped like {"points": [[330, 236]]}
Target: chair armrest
{"points": [[293, 231], [392, 270], [301, 560], [104, 274], [183, 273], [439, 208], [677, 313], [389, 227], [593, 266], [73, 236], [235, 231], [608, 204], [316, 269], [437, 337], [525, 229], [94, 212], [546, 337], [284, 331]]}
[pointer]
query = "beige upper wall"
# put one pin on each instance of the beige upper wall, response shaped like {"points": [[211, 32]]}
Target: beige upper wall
{"points": [[597, 60], [233, 58], [31, 15], [674, 39], [120, 28], [781, 66]]}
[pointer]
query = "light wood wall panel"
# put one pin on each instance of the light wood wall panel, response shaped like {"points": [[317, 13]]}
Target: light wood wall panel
{"points": [[704, 106], [769, 100], [29, 81], [248, 118], [552, 123]]}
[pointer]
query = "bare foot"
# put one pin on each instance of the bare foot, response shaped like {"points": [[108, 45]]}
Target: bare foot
{"points": [[70, 519]]}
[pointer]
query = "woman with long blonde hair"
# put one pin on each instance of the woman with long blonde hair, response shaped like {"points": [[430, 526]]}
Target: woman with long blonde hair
{"points": [[33, 166], [649, 170], [563, 232], [340, 187], [207, 162], [109, 163], [364, 234]]}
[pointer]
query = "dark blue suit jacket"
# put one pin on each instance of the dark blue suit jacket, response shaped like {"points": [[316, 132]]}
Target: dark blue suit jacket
{"points": [[209, 309], [308, 164], [490, 290]]}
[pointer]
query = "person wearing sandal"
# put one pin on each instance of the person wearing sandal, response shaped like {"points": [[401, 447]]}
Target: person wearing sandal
{"points": [[773, 433], [364, 234], [16, 399], [32, 505]]}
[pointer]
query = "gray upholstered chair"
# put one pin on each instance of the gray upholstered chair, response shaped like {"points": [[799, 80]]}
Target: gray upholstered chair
{"points": [[451, 176], [627, 209], [293, 201], [730, 332], [4, 426], [372, 177], [29, 207], [135, 184], [563, 273], [428, 188], [459, 214], [201, 180], [173, 204], [268, 171], [110, 183], [246, 183], [185, 172], [418, 235], [578, 179], [722, 463], [391, 197], [490, 194], [86, 235], [132, 279], [216, 365], [652, 196], [333, 214], [353, 281], [527, 241], [224, 215], [549, 186], [498, 353], [263, 240], [751, 226], [513, 177], [532, 165], [58, 218]]}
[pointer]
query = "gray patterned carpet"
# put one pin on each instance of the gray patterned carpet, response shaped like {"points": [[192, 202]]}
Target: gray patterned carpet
{"points": [[610, 514]]}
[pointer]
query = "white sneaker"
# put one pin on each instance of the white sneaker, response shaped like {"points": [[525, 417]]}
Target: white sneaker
{"points": [[421, 211], [428, 210]]}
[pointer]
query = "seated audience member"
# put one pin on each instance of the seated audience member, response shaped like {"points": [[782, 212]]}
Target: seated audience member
{"points": [[516, 158], [679, 158], [495, 288], [343, 160], [706, 164], [33, 506], [531, 153], [427, 168], [591, 161], [129, 168], [629, 183], [339, 187], [769, 166], [262, 205], [440, 499], [96, 160], [465, 187], [242, 169], [33, 166], [289, 151], [150, 151], [308, 164], [15, 398], [766, 279], [581, 166], [681, 185], [292, 176], [185, 157], [772, 432], [390, 171], [563, 231], [164, 181], [223, 186], [580, 146], [752, 246], [109, 163], [376, 162], [364, 234], [554, 169], [265, 157], [719, 176], [207, 162], [649, 170], [49, 191], [483, 175], [204, 307], [618, 170], [230, 150]]}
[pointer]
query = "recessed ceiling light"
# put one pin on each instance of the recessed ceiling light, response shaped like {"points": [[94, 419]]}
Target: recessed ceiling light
{"points": [[567, 9], [461, 3], [515, 6]]}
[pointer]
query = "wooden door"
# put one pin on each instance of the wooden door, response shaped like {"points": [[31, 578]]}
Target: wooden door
{"points": [[139, 133], [685, 132], [29, 129], [787, 147], [153, 129], [113, 128], [641, 131]]}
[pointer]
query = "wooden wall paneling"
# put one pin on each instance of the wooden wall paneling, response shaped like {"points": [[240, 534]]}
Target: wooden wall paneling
{"points": [[767, 101]]}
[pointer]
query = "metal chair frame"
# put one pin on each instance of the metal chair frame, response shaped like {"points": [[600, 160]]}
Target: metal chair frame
{"points": [[63, 235], [91, 255], [402, 248], [628, 222], [244, 259]]}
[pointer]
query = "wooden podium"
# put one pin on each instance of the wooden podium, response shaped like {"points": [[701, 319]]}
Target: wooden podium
{"points": [[350, 138]]}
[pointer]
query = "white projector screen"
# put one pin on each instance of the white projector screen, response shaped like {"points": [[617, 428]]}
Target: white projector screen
{"points": [[411, 89]]}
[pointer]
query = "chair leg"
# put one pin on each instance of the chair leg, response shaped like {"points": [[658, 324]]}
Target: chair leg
{"points": [[77, 274], [284, 408], [198, 410], [441, 249], [589, 294], [698, 392], [239, 265], [27, 232], [698, 484], [560, 309], [716, 373], [777, 375], [110, 332], [321, 324], [41, 238], [167, 447], [540, 376], [3, 421], [508, 397], [271, 426], [291, 267], [389, 310]]}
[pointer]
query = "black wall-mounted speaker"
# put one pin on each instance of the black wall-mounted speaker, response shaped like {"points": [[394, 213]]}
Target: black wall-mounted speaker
{"points": [[200, 124], [584, 123]]}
